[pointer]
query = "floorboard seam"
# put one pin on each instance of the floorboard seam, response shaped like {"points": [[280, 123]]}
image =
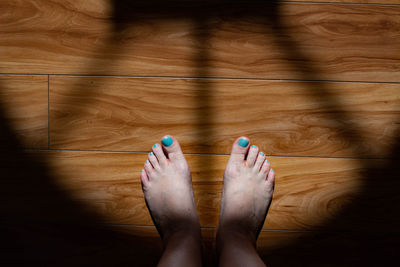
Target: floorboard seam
{"points": [[198, 78], [48, 111], [340, 3], [199, 154]]}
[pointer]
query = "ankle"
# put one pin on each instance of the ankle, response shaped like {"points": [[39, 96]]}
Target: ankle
{"points": [[182, 247], [188, 232], [235, 235]]}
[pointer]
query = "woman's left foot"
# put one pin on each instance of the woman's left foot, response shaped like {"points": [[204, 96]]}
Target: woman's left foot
{"points": [[247, 192]]}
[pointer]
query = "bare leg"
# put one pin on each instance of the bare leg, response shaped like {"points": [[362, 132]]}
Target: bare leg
{"points": [[247, 194], [167, 187]]}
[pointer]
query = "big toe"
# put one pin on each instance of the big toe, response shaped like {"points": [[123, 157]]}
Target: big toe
{"points": [[171, 147], [240, 148]]}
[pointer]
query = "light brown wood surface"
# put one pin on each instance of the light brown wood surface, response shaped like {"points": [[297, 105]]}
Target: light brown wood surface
{"points": [[24, 109], [283, 118], [87, 87], [309, 191], [288, 41]]}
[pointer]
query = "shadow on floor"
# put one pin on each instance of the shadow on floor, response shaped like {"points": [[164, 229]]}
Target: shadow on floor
{"points": [[43, 225]]}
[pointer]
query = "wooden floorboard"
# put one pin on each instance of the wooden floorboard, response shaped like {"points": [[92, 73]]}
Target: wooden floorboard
{"points": [[281, 117], [327, 249], [283, 41], [24, 110], [102, 245], [311, 193], [315, 84], [390, 2]]}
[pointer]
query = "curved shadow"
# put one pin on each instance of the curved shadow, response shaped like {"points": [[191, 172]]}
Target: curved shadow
{"points": [[372, 214], [45, 226], [42, 225]]}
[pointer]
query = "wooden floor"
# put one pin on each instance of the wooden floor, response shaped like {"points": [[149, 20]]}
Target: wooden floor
{"points": [[87, 87]]}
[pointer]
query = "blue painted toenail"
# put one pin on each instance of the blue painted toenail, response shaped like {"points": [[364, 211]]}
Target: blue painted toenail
{"points": [[156, 145], [147, 161], [267, 161], [167, 141], [141, 171], [253, 146], [243, 142], [272, 170], [262, 154], [151, 153]]}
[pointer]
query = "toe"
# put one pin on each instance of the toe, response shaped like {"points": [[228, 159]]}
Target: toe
{"points": [[159, 155], [153, 160], [148, 168], [265, 167], [172, 148], [144, 178], [239, 149], [252, 155], [271, 177], [259, 161]]}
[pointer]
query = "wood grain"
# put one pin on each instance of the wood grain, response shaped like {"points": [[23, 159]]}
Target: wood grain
{"points": [[286, 41], [278, 248], [311, 193], [393, 2], [24, 109], [46, 244], [67, 208], [283, 118], [117, 245]]}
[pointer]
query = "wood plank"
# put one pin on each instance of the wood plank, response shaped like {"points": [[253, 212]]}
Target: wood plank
{"points": [[392, 2], [282, 117], [24, 110], [311, 193], [46, 244], [279, 248], [117, 245], [290, 40]]}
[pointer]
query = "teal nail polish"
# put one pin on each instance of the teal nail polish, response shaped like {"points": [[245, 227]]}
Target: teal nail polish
{"points": [[267, 161], [253, 146], [141, 171], [147, 161], [262, 154], [243, 142], [156, 145], [272, 170], [151, 153], [167, 141]]}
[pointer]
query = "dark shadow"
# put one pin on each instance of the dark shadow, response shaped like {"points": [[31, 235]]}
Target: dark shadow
{"points": [[45, 226], [363, 233], [42, 225]]}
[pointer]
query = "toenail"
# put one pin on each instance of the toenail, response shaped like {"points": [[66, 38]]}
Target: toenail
{"points": [[141, 171], [151, 153], [272, 170], [253, 146], [147, 161], [267, 161], [156, 145], [243, 142], [167, 141], [262, 154]]}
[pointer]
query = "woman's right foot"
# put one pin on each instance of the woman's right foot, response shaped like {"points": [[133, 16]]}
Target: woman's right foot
{"points": [[167, 187], [247, 193]]}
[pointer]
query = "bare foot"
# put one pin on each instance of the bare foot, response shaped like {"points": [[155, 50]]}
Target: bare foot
{"points": [[167, 187], [247, 192]]}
